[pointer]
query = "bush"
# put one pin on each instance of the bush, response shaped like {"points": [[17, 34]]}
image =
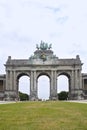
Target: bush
{"points": [[23, 96], [63, 95]]}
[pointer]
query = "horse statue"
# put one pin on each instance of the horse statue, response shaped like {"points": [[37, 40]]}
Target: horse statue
{"points": [[44, 46]]}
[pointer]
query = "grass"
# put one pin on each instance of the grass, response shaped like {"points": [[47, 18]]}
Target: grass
{"points": [[51, 115]]}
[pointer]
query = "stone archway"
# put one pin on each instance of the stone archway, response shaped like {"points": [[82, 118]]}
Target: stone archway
{"points": [[24, 85], [68, 76], [62, 83], [43, 85], [44, 73], [43, 62], [18, 76]]}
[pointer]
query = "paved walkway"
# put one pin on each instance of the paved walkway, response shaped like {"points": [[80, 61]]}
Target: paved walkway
{"points": [[77, 101], [6, 102]]}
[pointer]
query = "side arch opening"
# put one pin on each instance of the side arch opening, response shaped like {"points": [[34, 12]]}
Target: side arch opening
{"points": [[23, 82], [63, 85]]}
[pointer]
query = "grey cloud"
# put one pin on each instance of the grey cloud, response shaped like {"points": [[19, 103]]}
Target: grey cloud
{"points": [[62, 20], [55, 34], [7, 8], [76, 48], [40, 5], [53, 9], [14, 36], [80, 51], [31, 3]]}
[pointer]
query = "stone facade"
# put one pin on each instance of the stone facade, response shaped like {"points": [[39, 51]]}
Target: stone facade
{"points": [[43, 62], [84, 85], [2, 86]]}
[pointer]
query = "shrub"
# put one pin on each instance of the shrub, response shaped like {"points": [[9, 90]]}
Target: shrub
{"points": [[63, 95], [23, 96]]}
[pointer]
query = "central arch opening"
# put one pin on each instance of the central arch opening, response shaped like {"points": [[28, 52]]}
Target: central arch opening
{"points": [[43, 87]]}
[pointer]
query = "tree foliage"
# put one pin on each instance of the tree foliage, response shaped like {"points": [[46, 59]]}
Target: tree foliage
{"points": [[23, 96], [63, 95]]}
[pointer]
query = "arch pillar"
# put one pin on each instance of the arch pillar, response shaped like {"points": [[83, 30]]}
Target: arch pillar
{"points": [[76, 85], [33, 86], [10, 92], [53, 85], [71, 85]]}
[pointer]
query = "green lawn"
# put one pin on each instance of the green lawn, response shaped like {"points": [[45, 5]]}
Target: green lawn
{"points": [[50, 115]]}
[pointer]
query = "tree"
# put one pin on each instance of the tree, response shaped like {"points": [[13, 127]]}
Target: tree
{"points": [[63, 95], [23, 96]]}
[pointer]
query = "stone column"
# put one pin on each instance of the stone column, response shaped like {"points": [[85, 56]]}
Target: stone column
{"points": [[35, 85], [80, 93], [53, 87], [56, 81], [76, 80], [8, 86], [33, 89], [55, 84], [15, 84], [7, 80], [11, 80], [4, 83], [31, 86], [31, 81], [80, 79], [78, 85], [83, 83], [72, 85], [72, 80]]}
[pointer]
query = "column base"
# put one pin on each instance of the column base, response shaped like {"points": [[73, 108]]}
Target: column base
{"points": [[33, 96], [53, 95], [10, 96], [76, 95], [1, 96], [53, 98]]}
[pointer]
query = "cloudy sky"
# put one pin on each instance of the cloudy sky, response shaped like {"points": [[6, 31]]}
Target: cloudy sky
{"points": [[24, 23]]}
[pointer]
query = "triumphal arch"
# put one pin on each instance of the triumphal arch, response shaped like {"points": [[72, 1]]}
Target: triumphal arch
{"points": [[43, 62]]}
